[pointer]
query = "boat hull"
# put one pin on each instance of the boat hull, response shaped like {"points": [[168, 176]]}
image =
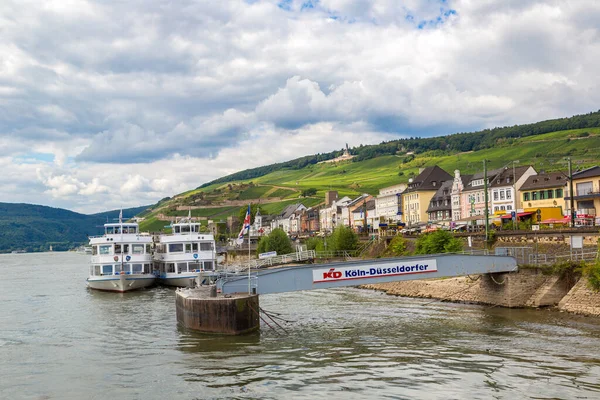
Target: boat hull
{"points": [[121, 283], [178, 280]]}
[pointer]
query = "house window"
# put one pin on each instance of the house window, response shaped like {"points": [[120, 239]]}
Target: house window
{"points": [[526, 196], [559, 193], [508, 194], [509, 208], [534, 195], [502, 195], [549, 194], [495, 195], [542, 195], [584, 188]]}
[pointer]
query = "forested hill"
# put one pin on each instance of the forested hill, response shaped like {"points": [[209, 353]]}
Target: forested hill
{"points": [[35, 228], [458, 142]]}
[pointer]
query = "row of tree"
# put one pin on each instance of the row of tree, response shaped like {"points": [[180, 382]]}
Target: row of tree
{"points": [[458, 142]]}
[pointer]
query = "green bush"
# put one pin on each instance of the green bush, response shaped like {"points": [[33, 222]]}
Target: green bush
{"points": [[342, 238], [315, 243], [436, 242], [397, 247], [277, 241], [592, 273]]}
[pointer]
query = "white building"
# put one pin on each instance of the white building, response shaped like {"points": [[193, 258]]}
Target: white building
{"points": [[284, 219], [503, 188], [388, 204]]}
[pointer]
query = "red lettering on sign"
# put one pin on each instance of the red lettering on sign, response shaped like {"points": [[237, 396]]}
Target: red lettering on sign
{"points": [[332, 274]]}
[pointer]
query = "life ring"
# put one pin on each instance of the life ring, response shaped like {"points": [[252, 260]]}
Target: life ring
{"points": [[116, 258], [122, 272]]}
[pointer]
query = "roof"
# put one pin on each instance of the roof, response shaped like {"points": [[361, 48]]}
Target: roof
{"points": [[429, 179], [545, 181], [587, 173], [289, 210], [358, 199], [439, 195], [506, 178]]}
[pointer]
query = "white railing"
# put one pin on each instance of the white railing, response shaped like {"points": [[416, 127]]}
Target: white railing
{"points": [[277, 260]]}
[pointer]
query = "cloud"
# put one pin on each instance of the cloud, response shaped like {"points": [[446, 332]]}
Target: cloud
{"points": [[153, 98]]}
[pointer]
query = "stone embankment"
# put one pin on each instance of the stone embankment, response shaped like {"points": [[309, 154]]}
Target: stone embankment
{"points": [[526, 288]]}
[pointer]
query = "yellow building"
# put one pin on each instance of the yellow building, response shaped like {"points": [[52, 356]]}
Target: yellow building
{"points": [[418, 194], [586, 188], [544, 191]]}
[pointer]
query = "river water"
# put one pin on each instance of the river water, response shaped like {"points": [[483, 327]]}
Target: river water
{"points": [[59, 340]]}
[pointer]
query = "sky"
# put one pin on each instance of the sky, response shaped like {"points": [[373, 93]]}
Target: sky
{"points": [[118, 103]]}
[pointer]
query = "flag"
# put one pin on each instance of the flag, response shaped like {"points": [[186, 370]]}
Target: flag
{"points": [[246, 225]]}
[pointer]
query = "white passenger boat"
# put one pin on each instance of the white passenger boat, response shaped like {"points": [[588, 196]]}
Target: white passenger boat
{"points": [[121, 258], [184, 255]]}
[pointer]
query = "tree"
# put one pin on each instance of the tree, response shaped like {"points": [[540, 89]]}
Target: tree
{"points": [[436, 242], [343, 238], [277, 241], [397, 247], [315, 243], [309, 192]]}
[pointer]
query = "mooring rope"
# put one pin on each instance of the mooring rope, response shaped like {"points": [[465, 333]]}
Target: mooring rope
{"points": [[496, 282]]}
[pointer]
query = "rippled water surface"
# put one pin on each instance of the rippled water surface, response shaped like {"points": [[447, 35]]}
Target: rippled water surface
{"points": [[59, 340]]}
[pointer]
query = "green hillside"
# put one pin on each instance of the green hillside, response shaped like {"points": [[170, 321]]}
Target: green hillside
{"points": [[35, 228], [544, 150]]}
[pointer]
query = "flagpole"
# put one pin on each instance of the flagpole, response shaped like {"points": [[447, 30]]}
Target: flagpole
{"points": [[249, 286]]}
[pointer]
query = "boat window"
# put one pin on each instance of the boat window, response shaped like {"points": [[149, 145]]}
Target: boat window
{"points": [[107, 269], [185, 229], [206, 246], [196, 228], [97, 270], [148, 249], [170, 267], [123, 267], [146, 269], [110, 230], [137, 268], [194, 247], [182, 267], [137, 248], [117, 249], [176, 229], [125, 248], [94, 250], [188, 247], [105, 249], [175, 247], [208, 265]]}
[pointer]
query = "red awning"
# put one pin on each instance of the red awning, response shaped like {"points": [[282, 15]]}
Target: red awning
{"points": [[521, 214]]}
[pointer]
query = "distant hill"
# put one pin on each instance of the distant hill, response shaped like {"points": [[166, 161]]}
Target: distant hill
{"points": [[458, 142], [35, 228], [113, 215], [545, 145]]}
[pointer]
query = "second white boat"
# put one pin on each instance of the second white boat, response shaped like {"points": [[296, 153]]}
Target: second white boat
{"points": [[186, 256]]}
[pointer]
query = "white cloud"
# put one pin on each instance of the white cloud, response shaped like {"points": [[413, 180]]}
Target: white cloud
{"points": [[139, 100]]}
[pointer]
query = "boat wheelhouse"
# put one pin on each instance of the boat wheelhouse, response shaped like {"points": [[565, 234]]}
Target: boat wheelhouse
{"points": [[121, 258], [184, 255]]}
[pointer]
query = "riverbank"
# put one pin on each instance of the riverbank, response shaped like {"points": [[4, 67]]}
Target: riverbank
{"points": [[527, 288]]}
